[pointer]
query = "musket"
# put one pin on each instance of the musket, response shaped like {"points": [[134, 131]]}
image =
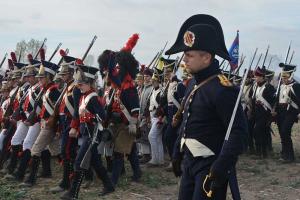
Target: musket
{"points": [[288, 52], [9, 111], [270, 62], [177, 64], [3, 60], [266, 55], [55, 51], [253, 58], [61, 59], [89, 48], [154, 59], [285, 61], [226, 66], [52, 120], [292, 57], [17, 112], [108, 107], [223, 61], [258, 60], [86, 161], [32, 114], [20, 53], [160, 54], [42, 45], [239, 67], [232, 178]]}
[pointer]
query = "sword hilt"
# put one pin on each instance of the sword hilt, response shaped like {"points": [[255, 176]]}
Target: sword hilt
{"points": [[210, 192]]}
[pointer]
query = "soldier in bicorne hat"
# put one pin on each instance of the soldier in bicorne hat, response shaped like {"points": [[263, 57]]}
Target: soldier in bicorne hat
{"points": [[208, 105]]}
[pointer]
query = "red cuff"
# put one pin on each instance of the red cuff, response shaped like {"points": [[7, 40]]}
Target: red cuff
{"points": [[75, 123]]}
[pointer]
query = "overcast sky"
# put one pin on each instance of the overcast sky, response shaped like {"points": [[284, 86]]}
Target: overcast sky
{"points": [[75, 22]]}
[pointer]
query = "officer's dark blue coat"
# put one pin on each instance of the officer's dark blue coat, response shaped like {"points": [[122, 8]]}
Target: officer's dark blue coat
{"points": [[207, 119]]}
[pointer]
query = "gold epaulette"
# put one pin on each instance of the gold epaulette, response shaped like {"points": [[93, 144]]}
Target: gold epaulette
{"points": [[224, 80]]}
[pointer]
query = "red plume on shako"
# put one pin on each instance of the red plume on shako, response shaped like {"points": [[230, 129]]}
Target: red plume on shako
{"points": [[29, 58], [62, 52], [130, 44], [10, 64], [42, 54], [78, 62], [13, 57]]}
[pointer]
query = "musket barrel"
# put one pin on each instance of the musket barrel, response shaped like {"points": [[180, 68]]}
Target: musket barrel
{"points": [[266, 55], [55, 51], [89, 48], [253, 57], [37, 53]]}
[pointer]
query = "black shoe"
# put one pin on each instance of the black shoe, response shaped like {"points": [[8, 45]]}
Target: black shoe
{"points": [[75, 187], [67, 196], [136, 177], [146, 158], [106, 191]]}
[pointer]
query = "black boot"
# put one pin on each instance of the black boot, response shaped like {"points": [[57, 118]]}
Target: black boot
{"points": [[88, 178], [46, 164], [31, 180], [107, 183], [118, 165], [14, 158], [24, 162], [75, 187], [65, 182], [108, 163], [135, 165]]}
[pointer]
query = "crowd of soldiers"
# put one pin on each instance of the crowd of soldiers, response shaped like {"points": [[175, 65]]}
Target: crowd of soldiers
{"points": [[57, 110]]}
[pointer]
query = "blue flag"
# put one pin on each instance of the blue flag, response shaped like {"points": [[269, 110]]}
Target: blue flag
{"points": [[234, 53]]}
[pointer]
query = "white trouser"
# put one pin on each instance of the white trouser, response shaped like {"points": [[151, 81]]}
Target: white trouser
{"points": [[2, 137], [20, 134], [31, 136], [155, 139]]}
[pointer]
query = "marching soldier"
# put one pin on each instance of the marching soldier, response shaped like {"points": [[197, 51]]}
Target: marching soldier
{"points": [[22, 128], [247, 103], [4, 103], [8, 124], [67, 110], [33, 127], [89, 109], [47, 134], [124, 108], [175, 93], [144, 118], [208, 104], [155, 133], [264, 99], [287, 110]]}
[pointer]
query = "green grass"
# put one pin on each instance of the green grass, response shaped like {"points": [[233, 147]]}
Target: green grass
{"points": [[10, 192]]}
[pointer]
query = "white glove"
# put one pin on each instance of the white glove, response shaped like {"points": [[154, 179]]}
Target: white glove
{"points": [[132, 126], [73, 133]]}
